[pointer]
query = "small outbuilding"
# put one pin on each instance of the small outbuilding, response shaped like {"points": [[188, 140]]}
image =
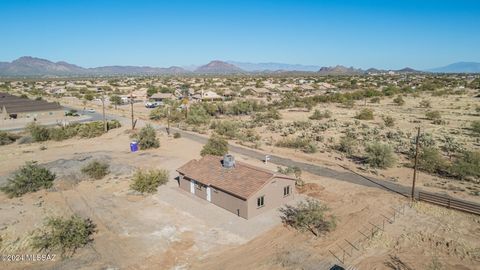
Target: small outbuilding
{"points": [[240, 188]]}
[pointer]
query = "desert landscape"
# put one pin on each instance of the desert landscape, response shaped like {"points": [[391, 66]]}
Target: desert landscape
{"points": [[354, 126]]}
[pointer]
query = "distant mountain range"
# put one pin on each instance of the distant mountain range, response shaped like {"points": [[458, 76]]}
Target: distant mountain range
{"points": [[262, 67], [28, 66], [459, 67]]}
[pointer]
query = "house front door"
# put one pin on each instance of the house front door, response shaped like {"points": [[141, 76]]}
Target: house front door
{"points": [[209, 194], [192, 186]]}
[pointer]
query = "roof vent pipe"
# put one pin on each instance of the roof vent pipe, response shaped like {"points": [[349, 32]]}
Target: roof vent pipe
{"points": [[228, 161]]}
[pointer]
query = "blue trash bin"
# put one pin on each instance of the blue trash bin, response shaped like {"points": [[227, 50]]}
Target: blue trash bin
{"points": [[134, 146]]}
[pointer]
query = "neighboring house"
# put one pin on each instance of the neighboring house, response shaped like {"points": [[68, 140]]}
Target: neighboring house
{"points": [[240, 188], [13, 107], [210, 96], [161, 97]]}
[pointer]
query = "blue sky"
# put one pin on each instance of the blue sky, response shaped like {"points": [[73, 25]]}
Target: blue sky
{"points": [[381, 34]]}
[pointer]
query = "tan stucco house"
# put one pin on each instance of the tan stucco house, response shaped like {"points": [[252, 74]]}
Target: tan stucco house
{"points": [[13, 107], [240, 188]]}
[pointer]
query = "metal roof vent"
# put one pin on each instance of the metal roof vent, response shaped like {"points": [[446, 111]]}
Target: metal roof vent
{"points": [[228, 161]]}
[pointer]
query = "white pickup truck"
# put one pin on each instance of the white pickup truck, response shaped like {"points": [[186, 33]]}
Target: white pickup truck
{"points": [[153, 104]]}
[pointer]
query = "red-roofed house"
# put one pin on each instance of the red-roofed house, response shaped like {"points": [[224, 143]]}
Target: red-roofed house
{"points": [[240, 188]]}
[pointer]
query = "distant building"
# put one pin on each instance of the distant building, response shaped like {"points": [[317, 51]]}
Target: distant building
{"points": [[161, 97], [240, 188], [14, 107]]}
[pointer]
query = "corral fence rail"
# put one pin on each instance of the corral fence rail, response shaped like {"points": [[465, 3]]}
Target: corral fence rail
{"points": [[449, 202]]}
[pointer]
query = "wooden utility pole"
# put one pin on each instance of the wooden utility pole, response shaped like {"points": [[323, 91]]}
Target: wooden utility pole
{"points": [[103, 109], [131, 106], [168, 120], [416, 163]]}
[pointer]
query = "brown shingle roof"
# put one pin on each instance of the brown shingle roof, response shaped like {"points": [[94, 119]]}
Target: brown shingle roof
{"points": [[14, 104], [243, 180]]}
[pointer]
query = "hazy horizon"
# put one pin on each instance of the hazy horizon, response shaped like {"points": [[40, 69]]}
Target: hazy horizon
{"points": [[362, 34]]}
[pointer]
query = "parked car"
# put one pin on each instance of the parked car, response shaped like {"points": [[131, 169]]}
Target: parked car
{"points": [[91, 110], [153, 104]]}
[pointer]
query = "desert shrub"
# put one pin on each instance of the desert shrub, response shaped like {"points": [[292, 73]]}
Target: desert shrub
{"points": [[197, 115], [266, 117], [304, 144], [242, 107], [318, 115], [177, 135], [63, 133], [475, 126], [430, 160], [389, 121], [29, 178], [112, 124], [365, 114], [425, 104], [308, 216], [451, 146], [348, 103], [216, 146], [248, 135], [375, 100], [468, 165], [25, 139], [310, 148], [7, 138], [91, 129], [147, 138], [433, 115], [149, 181], [347, 145], [64, 235], [436, 117], [226, 128], [96, 169], [380, 155], [399, 100], [290, 170], [38, 133]]}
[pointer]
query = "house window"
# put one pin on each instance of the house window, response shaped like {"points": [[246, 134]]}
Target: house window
{"points": [[260, 201], [286, 191]]}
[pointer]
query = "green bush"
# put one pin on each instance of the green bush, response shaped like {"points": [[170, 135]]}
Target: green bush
{"points": [[468, 165], [308, 216], [430, 160], [197, 115], [216, 146], [433, 115], [7, 138], [365, 114], [38, 133], [267, 117], [290, 170], [226, 128], [91, 129], [380, 156], [375, 100], [63, 235], [96, 169], [399, 100], [149, 181], [318, 115], [347, 145], [389, 121], [147, 138], [29, 178], [177, 135], [475, 125]]}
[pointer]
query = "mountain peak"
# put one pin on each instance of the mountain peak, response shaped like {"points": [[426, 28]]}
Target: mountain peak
{"points": [[217, 66]]}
